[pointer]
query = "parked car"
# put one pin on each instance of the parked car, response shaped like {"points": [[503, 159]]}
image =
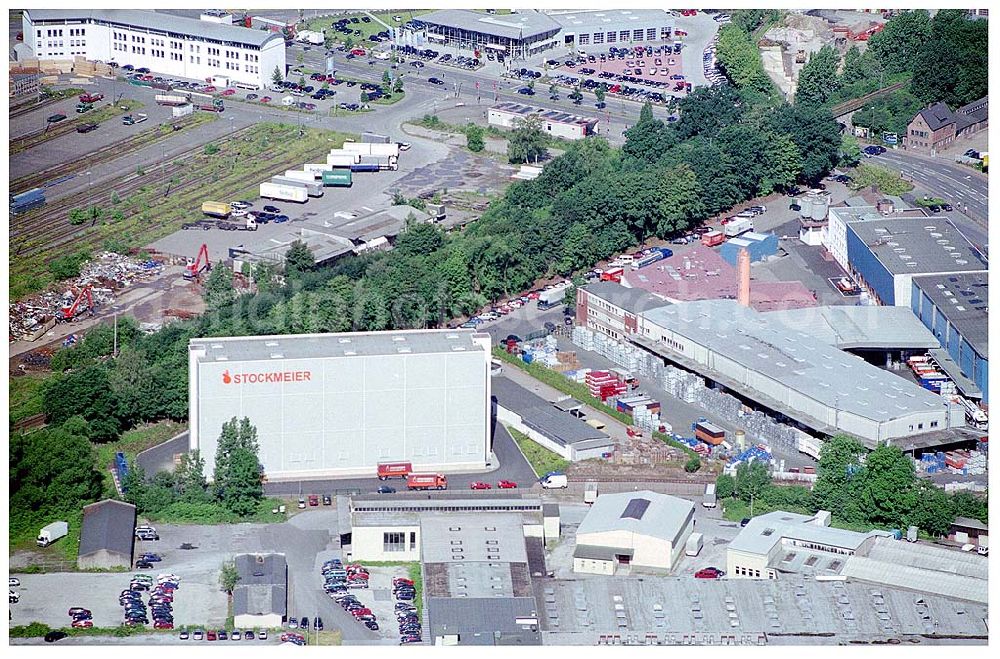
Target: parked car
{"points": [[709, 573], [479, 485], [506, 485], [433, 81], [55, 118]]}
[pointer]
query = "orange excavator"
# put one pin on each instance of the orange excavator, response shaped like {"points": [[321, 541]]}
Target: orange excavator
{"points": [[198, 265], [71, 311]]}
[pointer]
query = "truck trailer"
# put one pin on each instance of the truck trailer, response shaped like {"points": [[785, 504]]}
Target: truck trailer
{"points": [[366, 149], [553, 296], [694, 544], [713, 238], [340, 178], [374, 138], [313, 188], [738, 226], [282, 192], [51, 533], [216, 209], [342, 158], [182, 110], [387, 470], [172, 99], [302, 175]]}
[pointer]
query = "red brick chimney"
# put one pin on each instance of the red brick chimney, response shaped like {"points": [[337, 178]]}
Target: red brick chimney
{"points": [[743, 271]]}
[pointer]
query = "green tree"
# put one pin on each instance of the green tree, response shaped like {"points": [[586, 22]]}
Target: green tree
{"points": [[159, 494], [386, 78], [600, 93], [725, 486], [856, 68], [692, 465], [897, 44], [649, 138], [967, 504], [244, 488], [229, 576], [190, 478], [576, 96], [134, 485], [277, 77], [474, 138], [397, 86], [752, 480], [299, 259], [839, 463], [219, 289], [527, 142], [818, 80], [553, 90], [850, 151], [68, 267], [884, 489], [86, 392], [228, 441], [932, 510]]}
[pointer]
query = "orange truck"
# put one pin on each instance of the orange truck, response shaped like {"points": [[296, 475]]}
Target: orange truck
{"points": [[426, 482], [387, 470], [713, 238]]}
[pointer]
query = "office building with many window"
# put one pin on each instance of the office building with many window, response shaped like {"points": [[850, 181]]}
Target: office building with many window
{"points": [[164, 43]]}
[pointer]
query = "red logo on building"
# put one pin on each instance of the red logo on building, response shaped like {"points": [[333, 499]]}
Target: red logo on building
{"points": [[259, 378]]}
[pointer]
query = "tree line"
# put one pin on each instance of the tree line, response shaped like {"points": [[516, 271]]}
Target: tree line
{"points": [[873, 489]]}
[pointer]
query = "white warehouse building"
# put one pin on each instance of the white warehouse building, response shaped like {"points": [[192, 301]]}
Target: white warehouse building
{"points": [[328, 405], [164, 43], [554, 122], [795, 374]]}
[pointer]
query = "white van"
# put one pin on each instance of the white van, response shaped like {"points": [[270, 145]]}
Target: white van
{"points": [[554, 481], [709, 500]]}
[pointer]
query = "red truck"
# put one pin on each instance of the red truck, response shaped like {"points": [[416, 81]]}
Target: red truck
{"points": [[91, 98], [713, 238], [389, 470], [426, 482]]}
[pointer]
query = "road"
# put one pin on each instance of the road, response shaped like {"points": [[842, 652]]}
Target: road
{"points": [[950, 181], [512, 466]]}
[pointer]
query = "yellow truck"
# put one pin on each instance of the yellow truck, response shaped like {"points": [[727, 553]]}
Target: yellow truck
{"points": [[216, 209]]}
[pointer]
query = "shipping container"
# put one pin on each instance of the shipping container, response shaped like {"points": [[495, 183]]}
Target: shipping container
{"points": [[302, 175], [387, 470], [338, 178], [374, 138], [317, 168], [709, 433], [284, 192], [359, 167], [172, 99], [342, 158], [652, 257]]}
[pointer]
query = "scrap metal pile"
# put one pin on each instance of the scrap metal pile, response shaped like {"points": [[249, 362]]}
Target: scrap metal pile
{"points": [[103, 277]]}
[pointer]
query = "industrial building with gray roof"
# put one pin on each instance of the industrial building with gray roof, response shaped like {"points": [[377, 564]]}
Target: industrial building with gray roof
{"points": [[787, 371], [918, 245], [859, 327], [555, 429], [260, 598]]}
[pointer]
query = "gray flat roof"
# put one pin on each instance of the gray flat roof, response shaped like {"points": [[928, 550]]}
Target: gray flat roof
{"points": [[159, 23], [314, 346], [633, 300], [859, 327], [951, 368], [555, 116], [484, 620], [523, 25], [918, 245], [795, 359], [585, 21], [108, 525], [470, 537], [597, 553], [446, 500], [541, 415], [963, 299], [661, 516], [263, 585], [765, 531]]}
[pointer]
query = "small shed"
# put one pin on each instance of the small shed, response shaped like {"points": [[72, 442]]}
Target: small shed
{"points": [[260, 598], [107, 535], [969, 531], [759, 245]]}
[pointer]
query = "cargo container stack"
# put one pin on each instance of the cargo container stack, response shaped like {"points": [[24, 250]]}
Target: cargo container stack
{"points": [[757, 452]]}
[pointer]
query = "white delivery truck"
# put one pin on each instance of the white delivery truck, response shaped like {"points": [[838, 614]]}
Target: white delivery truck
{"points": [[709, 500], [590, 493], [737, 226], [284, 192], [171, 99], [553, 296], [554, 480], [372, 149], [51, 533], [694, 544]]}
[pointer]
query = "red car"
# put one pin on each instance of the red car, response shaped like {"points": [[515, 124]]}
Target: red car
{"points": [[80, 624], [358, 52], [479, 485], [313, 500], [507, 485], [709, 573], [265, 99], [357, 613], [163, 624], [208, 90], [228, 92], [292, 636], [210, 635], [401, 580], [147, 78]]}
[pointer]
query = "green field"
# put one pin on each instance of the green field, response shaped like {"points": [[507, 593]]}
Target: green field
{"points": [[25, 395]]}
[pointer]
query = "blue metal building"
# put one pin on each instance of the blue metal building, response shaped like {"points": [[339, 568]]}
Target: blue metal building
{"points": [[954, 307], [759, 245]]}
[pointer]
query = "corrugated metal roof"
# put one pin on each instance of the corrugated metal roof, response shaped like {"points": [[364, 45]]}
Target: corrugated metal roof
{"points": [[108, 525], [765, 531], [632, 300], [962, 298], [526, 24], [539, 414], [848, 327], [484, 620]]}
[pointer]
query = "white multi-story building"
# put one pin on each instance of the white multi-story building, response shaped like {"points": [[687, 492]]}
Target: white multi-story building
{"points": [[164, 43]]}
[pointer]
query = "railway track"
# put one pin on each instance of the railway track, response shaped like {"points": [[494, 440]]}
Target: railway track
{"points": [[56, 230], [107, 153]]}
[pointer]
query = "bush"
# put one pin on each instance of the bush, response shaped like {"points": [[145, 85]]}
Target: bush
{"points": [[692, 465], [725, 486], [32, 630]]}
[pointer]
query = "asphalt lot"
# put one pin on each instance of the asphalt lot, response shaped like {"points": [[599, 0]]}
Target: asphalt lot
{"points": [[953, 182]]}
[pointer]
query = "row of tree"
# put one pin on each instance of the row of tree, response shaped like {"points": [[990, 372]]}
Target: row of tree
{"points": [[237, 478], [877, 489]]}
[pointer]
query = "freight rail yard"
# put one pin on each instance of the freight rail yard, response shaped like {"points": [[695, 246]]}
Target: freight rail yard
{"points": [[349, 343]]}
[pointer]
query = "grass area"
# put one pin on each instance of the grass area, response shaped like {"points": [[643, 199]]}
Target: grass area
{"points": [[159, 208], [213, 513], [325, 637], [579, 391], [96, 116], [133, 442], [25, 392], [39, 629], [60, 555], [57, 94], [542, 460], [929, 201], [366, 29]]}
